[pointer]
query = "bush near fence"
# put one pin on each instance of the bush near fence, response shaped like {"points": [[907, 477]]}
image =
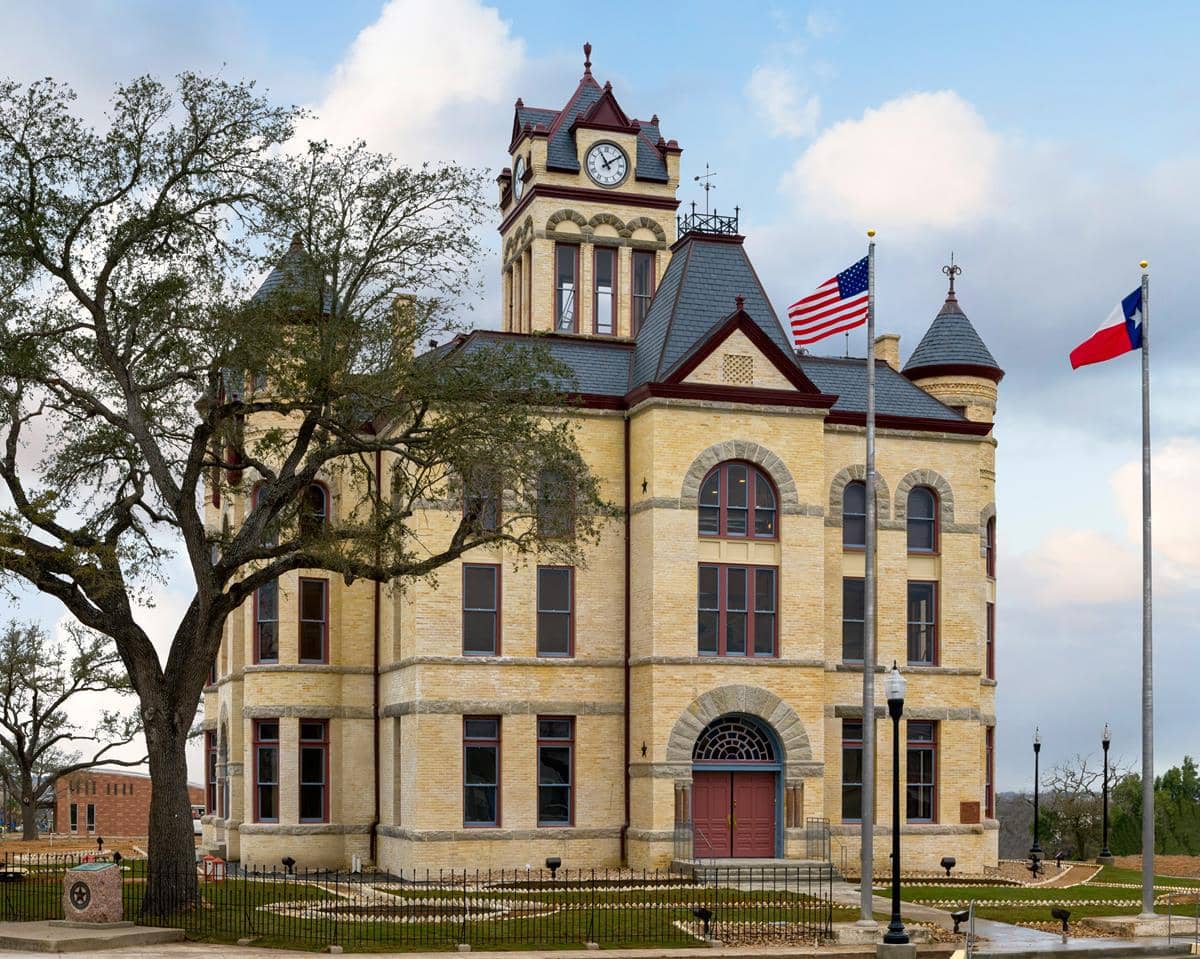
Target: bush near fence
{"points": [[439, 909]]}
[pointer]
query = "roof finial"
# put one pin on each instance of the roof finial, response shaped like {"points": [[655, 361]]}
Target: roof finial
{"points": [[951, 271], [587, 59], [740, 301], [297, 241]]}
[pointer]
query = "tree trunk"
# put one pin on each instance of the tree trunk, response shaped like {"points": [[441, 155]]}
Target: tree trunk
{"points": [[171, 884], [29, 829]]}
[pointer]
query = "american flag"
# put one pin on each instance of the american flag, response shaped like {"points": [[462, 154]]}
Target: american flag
{"points": [[840, 303]]}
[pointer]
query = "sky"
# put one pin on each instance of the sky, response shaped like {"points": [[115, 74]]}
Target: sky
{"points": [[1044, 144]]}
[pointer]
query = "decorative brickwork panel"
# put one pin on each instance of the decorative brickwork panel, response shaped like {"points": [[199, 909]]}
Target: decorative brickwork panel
{"points": [[738, 368]]}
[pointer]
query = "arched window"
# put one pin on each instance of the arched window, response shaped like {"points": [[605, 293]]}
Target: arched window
{"points": [[314, 511], [737, 499], [989, 547], [854, 515], [734, 739], [922, 520]]}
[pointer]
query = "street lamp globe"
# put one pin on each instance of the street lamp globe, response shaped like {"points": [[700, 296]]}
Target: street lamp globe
{"points": [[895, 684], [1107, 735]]}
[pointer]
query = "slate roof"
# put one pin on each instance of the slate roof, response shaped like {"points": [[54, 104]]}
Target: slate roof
{"points": [[951, 339], [894, 394], [290, 268], [698, 292], [600, 367]]}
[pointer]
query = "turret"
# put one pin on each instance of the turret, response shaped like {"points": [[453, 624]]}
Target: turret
{"points": [[952, 364]]}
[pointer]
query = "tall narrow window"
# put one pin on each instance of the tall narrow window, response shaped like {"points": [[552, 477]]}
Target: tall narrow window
{"points": [[989, 547], [481, 501], [74, 817], [989, 772], [481, 770], [922, 520], [921, 771], [854, 515], [643, 288], [990, 650], [314, 620], [91, 817], [314, 770], [922, 623], [481, 610], [266, 770], [555, 772], [266, 623], [853, 620], [210, 772], [566, 271], [555, 611], [604, 303], [852, 770], [737, 500], [736, 610], [555, 505], [314, 512]]}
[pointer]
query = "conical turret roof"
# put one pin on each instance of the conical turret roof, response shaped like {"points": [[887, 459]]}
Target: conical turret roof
{"points": [[952, 345]]}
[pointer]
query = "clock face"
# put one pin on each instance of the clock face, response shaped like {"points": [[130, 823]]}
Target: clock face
{"points": [[519, 177], [607, 164]]}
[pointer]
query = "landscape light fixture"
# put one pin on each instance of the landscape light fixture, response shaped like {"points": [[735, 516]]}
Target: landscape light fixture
{"points": [[1037, 749], [948, 863], [894, 686], [1063, 916], [959, 917], [289, 864], [552, 863], [705, 916]]}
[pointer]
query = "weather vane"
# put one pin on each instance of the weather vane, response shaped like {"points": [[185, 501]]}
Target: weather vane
{"points": [[952, 271], [706, 182]]}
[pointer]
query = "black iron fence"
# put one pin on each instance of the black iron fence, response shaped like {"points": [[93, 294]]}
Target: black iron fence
{"points": [[431, 909]]}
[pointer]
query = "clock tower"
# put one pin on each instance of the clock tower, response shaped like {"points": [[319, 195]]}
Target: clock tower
{"points": [[588, 215]]}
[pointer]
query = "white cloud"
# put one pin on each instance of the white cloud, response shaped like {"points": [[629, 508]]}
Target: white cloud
{"points": [[1078, 566], [1176, 529], [777, 96], [819, 24], [921, 160], [428, 80]]}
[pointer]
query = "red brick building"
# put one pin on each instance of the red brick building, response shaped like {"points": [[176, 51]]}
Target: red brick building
{"points": [[105, 802]]}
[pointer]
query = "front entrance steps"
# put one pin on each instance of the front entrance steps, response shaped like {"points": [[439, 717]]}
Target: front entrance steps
{"points": [[58, 936], [754, 870]]}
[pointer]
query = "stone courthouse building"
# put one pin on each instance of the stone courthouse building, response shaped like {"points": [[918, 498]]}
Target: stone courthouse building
{"points": [[694, 689]]}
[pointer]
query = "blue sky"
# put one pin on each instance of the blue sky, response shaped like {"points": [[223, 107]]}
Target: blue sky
{"points": [[1049, 145]]}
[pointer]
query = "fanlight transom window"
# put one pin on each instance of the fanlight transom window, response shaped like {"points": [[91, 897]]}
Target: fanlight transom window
{"points": [[738, 500], [734, 739]]}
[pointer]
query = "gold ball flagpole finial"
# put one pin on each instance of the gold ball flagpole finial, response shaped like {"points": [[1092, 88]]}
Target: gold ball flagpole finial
{"points": [[1143, 264], [870, 232]]}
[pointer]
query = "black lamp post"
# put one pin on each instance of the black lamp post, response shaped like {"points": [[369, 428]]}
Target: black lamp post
{"points": [[894, 687], [1035, 851], [1106, 855]]}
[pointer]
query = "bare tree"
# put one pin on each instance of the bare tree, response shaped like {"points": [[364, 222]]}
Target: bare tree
{"points": [[41, 682], [1072, 810]]}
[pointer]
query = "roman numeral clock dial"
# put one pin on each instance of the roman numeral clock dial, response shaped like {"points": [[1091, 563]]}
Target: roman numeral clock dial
{"points": [[607, 164]]}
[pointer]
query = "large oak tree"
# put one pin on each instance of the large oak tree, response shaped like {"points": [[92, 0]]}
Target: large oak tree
{"points": [[137, 373]]}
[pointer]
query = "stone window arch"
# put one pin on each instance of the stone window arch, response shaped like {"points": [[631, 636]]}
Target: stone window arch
{"points": [[936, 482], [609, 218], [645, 223], [746, 450], [856, 472], [562, 216], [759, 704]]}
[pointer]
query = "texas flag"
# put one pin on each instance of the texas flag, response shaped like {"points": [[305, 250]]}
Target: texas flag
{"points": [[1120, 333]]}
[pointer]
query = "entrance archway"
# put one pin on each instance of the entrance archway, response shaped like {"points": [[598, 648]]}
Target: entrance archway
{"points": [[736, 765]]}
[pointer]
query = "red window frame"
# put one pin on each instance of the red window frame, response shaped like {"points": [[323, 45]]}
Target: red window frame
{"points": [[258, 657], [922, 746], [321, 743], [934, 624], [482, 742], [210, 772], [611, 251], [855, 485], [569, 612], [704, 510], [550, 742], [556, 290], [850, 742], [550, 525], [989, 546], [751, 611], [495, 611], [990, 642], [989, 772], [934, 521], [487, 494], [640, 302], [300, 620], [861, 623], [311, 522], [261, 745]]}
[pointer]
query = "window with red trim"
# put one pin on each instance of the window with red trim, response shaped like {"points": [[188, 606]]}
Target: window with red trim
{"points": [[854, 619], [989, 547], [314, 770], [989, 772], [737, 610], [854, 515], [266, 623], [604, 297], [643, 288], [314, 620], [210, 772], [922, 520], [737, 500], [481, 502], [314, 511], [556, 770], [555, 505], [852, 770], [481, 609], [921, 771], [266, 770], [555, 611], [922, 623], [566, 285], [481, 770], [990, 650]]}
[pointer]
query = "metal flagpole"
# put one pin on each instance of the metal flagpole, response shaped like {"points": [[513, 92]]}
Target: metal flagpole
{"points": [[868, 727], [1147, 627]]}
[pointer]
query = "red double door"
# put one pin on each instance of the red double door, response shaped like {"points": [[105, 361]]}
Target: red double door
{"points": [[733, 814]]}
